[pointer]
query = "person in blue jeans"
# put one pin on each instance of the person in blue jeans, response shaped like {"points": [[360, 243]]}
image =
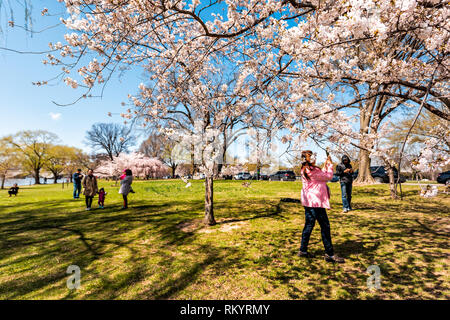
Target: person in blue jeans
{"points": [[76, 178], [344, 171]]}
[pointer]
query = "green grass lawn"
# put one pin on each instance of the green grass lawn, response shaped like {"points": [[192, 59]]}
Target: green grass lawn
{"points": [[158, 248]]}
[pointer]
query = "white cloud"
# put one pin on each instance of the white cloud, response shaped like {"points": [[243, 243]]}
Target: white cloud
{"points": [[55, 116]]}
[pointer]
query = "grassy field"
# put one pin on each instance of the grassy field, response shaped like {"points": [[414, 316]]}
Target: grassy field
{"points": [[158, 248]]}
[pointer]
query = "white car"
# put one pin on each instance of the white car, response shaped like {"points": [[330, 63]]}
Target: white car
{"points": [[243, 176], [199, 176]]}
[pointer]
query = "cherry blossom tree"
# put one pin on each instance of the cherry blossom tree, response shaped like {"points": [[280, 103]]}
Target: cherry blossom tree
{"points": [[196, 106], [310, 63], [141, 166], [232, 169]]}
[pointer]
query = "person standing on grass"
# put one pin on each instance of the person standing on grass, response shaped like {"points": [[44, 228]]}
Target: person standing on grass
{"points": [[125, 187], [76, 178], [315, 197], [90, 188], [344, 171], [101, 198]]}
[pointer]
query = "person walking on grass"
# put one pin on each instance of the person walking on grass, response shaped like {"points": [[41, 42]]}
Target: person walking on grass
{"points": [[101, 198], [315, 198], [344, 171], [76, 178], [125, 187], [90, 188]]}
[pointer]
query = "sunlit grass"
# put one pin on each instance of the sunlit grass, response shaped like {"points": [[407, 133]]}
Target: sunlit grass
{"points": [[159, 249]]}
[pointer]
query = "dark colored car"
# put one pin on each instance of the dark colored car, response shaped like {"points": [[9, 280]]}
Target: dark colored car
{"points": [[380, 175], [283, 175], [261, 177], [227, 177], [443, 177]]}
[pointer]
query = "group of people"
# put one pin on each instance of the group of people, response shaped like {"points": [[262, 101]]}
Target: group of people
{"points": [[90, 188], [315, 197]]}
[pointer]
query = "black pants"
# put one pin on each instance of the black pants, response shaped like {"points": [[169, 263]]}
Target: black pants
{"points": [[12, 193], [89, 201], [311, 215]]}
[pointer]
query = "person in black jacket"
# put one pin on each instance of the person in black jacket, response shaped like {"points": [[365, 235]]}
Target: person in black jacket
{"points": [[13, 190], [344, 171]]}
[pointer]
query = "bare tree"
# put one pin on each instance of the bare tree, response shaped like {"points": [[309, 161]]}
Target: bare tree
{"points": [[112, 138], [160, 146]]}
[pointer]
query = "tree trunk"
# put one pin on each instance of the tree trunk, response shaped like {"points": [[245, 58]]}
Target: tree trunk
{"points": [[219, 169], [364, 175], [258, 170], [392, 184], [173, 167], [209, 209], [193, 160], [55, 177], [36, 176], [3, 181], [223, 155]]}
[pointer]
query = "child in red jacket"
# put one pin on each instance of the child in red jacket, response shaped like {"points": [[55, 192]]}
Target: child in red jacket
{"points": [[101, 198]]}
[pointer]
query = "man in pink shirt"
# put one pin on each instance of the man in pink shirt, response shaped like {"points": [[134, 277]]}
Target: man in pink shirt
{"points": [[315, 198]]}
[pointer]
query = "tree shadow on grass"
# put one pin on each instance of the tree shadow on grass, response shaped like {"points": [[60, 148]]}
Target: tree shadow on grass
{"points": [[90, 235], [247, 214], [141, 252]]}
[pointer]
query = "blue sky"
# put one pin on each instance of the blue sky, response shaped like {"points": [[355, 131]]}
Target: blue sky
{"points": [[24, 106]]}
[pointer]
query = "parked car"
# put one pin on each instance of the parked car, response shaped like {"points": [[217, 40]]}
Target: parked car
{"points": [[199, 176], [443, 177], [283, 175], [380, 175], [243, 176], [261, 176], [227, 177]]}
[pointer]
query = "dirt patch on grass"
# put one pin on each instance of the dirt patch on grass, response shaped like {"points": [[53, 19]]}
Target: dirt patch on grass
{"points": [[223, 225], [231, 226], [190, 225]]}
